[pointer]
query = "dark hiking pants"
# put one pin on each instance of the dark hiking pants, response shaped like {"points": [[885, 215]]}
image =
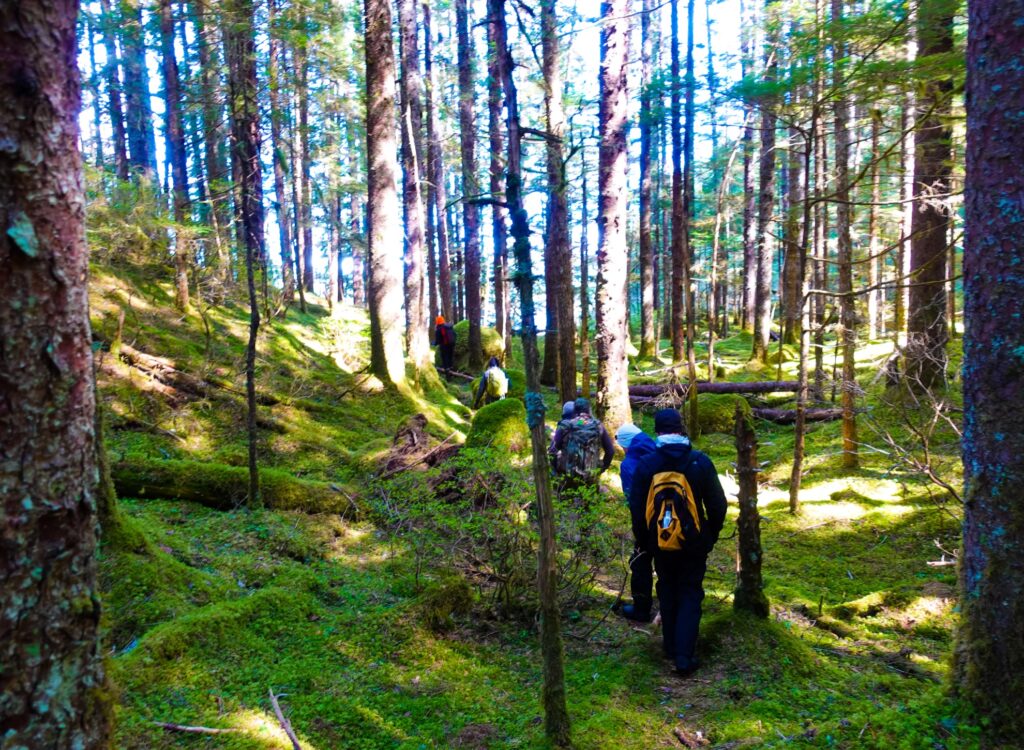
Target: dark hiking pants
{"points": [[680, 592], [447, 356], [641, 580]]}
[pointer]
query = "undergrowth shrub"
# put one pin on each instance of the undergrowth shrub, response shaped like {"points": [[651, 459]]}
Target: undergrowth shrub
{"points": [[475, 515]]}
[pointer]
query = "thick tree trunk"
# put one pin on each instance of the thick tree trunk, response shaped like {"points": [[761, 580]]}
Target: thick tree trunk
{"points": [[54, 693], [612, 393], [559, 247], [749, 595], [647, 117], [175, 145], [766, 194], [470, 187], [844, 242], [927, 331], [556, 715], [279, 149], [243, 88], [499, 231], [989, 661], [416, 327], [386, 360]]}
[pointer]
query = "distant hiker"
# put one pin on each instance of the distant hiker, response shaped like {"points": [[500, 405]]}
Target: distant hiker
{"points": [[493, 384], [636, 444], [568, 410], [444, 339], [581, 448], [677, 507]]}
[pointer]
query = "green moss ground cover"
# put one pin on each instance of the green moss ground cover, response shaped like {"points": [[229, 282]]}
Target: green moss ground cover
{"points": [[370, 650]]}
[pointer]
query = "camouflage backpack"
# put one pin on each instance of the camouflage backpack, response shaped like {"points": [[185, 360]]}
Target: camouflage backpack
{"points": [[582, 454]]}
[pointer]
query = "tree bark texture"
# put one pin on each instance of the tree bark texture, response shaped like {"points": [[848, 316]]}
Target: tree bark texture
{"points": [[141, 148], [54, 693], [647, 117], [499, 229], [927, 333], [989, 661], [438, 197], [584, 281], [749, 195], [559, 246], [612, 256], [112, 75], [876, 308], [678, 284], [243, 92], [470, 186], [416, 327], [556, 715], [749, 595], [386, 360], [305, 207]]}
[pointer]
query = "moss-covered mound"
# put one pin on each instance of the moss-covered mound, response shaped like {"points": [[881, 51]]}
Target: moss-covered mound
{"points": [[225, 487], [717, 412], [516, 384], [502, 426], [490, 340]]}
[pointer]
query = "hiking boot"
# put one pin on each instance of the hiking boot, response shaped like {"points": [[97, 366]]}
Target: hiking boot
{"points": [[635, 612], [688, 669]]}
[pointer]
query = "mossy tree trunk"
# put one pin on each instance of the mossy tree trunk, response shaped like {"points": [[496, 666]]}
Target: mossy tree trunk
{"points": [[749, 595], [54, 693], [990, 661], [556, 714]]}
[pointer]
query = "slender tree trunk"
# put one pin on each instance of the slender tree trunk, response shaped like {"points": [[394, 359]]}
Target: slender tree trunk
{"points": [[749, 595], [437, 196], [416, 327], [305, 207], [679, 291], [300, 263], [908, 123], [499, 231], [791, 279], [690, 299], [749, 196], [386, 360], [989, 665], [844, 242], [357, 221], [175, 144], [54, 692], [559, 248], [875, 315], [112, 74], [556, 715], [612, 386], [584, 281], [279, 148], [470, 187], [927, 332], [94, 87], [647, 117], [819, 267], [243, 89], [136, 81], [766, 195]]}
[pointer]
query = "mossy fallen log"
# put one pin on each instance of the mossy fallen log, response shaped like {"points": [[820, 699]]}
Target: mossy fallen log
{"points": [[703, 386], [225, 487]]}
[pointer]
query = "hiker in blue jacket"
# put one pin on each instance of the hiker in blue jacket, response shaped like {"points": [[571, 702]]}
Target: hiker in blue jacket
{"points": [[636, 444], [695, 526]]}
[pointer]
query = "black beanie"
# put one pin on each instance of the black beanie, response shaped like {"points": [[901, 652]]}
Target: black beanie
{"points": [[668, 422]]}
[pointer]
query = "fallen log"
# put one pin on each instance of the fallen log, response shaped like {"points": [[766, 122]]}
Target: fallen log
{"points": [[225, 487], [788, 416], [703, 386]]}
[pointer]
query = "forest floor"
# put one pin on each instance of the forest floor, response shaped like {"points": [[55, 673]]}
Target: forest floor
{"points": [[339, 618]]}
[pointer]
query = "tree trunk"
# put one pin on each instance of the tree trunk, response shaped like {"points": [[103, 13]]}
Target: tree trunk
{"points": [[927, 333], [989, 665], [470, 188], [279, 150], [819, 268], [54, 690], [499, 231], [749, 595], [558, 245], [612, 387], [243, 89], [790, 281], [584, 281], [437, 196], [766, 195], [844, 242], [357, 221], [175, 145], [749, 197], [386, 361], [647, 117], [688, 193], [876, 312], [679, 291], [141, 157], [112, 74], [416, 330], [305, 208], [556, 715]]}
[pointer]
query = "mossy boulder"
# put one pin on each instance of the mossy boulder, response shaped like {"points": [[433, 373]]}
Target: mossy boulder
{"points": [[450, 596], [490, 341], [717, 412], [500, 426]]}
